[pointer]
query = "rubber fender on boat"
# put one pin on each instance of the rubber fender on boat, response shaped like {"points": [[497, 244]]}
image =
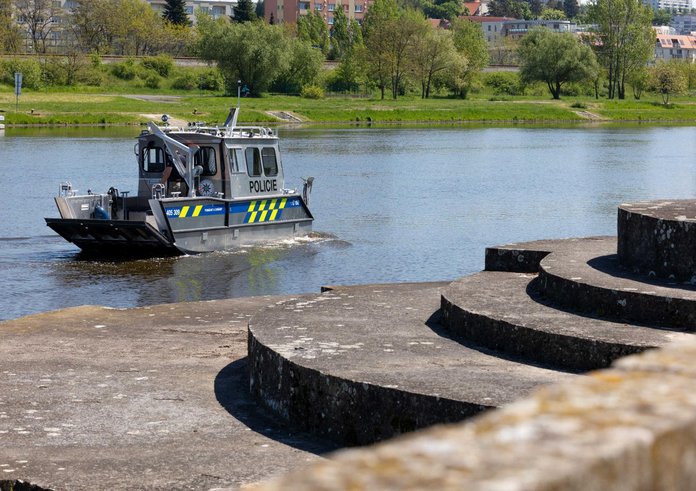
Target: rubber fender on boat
{"points": [[100, 213]]}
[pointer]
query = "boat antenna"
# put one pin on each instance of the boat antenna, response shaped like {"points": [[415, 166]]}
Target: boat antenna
{"points": [[231, 120]]}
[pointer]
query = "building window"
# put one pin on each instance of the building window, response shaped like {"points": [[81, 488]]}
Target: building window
{"points": [[188, 10], [318, 7], [332, 7], [358, 7], [303, 5], [330, 20]]}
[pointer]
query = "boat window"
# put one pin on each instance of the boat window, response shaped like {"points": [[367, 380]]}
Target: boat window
{"points": [[205, 157], [153, 159], [253, 161], [270, 164], [236, 159]]}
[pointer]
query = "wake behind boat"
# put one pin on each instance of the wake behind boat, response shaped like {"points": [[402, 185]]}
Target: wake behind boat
{"points": [[200, 189]]}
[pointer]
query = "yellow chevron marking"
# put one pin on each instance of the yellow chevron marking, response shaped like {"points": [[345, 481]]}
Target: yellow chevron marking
{"points": [[251, 206], [263, 205], [273, 215], [263, 216], [273, 204], [184, 211], [282, 203], [252, 218], [197, 210]]}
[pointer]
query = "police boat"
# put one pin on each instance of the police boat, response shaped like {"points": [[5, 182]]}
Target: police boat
{"points": [[200, 189]]}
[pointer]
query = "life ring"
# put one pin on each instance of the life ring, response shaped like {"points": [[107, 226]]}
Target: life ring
{"points": [[206, 188]]}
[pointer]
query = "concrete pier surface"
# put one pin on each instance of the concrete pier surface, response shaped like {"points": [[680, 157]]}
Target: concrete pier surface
{"points": [[146, 398]]}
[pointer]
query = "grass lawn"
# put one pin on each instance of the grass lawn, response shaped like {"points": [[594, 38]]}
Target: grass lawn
{"points": [[70, 107]]}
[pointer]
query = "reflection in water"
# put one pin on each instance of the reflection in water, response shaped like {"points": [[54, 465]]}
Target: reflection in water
{"points": [[415, 204]]}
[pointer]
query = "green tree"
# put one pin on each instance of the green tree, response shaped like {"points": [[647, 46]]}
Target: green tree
{"points": [[175, 12], [471, 45], [571, 8], [351, 73], [10, 36], [662, 17], [552, 14], [244, 11], [340, 35], [639, 80], [432, 53], [510, 8], [312, 29], [253, 52], [555, 59], [624, 40], [442, 9], [667, 79], [303, 67]]}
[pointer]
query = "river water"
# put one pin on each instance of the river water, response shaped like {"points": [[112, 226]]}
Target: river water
{"points": [[391, 204]]}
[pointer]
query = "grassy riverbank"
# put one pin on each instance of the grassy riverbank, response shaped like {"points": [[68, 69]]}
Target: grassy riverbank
{"points": [[58, 108]]}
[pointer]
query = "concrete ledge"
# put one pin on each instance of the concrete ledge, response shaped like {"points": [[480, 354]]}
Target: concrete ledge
{"points": [[588, 278], [523, 257], [503, 312], [659, 238], [362, 364], [632, 427]]}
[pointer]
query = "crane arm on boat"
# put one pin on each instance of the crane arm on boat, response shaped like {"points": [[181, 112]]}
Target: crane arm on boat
{"points": [[182, 156]]}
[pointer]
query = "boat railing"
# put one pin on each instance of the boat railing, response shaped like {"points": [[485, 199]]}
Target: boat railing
{"points": [[236, 132]]}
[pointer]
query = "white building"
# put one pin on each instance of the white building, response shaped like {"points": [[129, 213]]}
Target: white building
{"points": [[675, 47], [673, 5], [216, 8]]}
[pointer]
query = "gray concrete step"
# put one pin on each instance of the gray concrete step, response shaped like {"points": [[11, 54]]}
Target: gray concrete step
{"points": [[361, 364], [587, 277], [504, 312]]}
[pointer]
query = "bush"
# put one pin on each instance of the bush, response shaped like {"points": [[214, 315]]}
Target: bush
{"points": [[54, 73], [504, 83], [187, 81], [125, 70], [210, 80], [30, 69], [578, 105], [312, 92], [162, 64], [92, 77], [152, 81]]}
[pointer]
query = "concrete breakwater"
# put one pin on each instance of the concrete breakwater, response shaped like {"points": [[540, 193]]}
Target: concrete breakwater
{"points": [[157, 397]]}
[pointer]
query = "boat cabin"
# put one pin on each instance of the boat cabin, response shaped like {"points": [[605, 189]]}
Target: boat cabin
{"points": [[245, 163]]}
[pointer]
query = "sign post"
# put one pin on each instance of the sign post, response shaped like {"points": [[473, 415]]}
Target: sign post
{"points": [[18, 89]]}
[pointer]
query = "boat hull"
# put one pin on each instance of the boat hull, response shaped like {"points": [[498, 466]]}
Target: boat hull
{"points": [[114, 237], [190, 226]]}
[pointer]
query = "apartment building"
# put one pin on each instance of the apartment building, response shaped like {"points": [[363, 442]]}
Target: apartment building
{"points": [[280, 11], [492, 27], [216, 8], [675, 47]]}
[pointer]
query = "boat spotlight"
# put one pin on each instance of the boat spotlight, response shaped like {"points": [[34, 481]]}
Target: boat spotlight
{"points": [[165, 118]]}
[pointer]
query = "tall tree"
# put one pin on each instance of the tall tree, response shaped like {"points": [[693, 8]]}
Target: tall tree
{"points": [[668, 79], [244, 11], [312, 29], [571, 8], [510, 8], [38, 18], [389, 37], [555, 59], [432, 53], [469, 41], [175, 12], [253, 52], [10, 36], [624, 39]]}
